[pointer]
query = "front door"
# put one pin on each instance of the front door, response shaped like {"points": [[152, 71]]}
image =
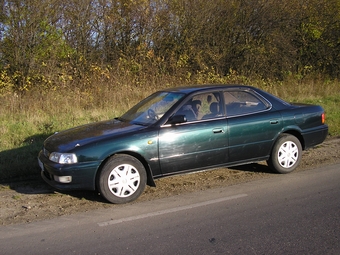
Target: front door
{"points": [[200, 142]]}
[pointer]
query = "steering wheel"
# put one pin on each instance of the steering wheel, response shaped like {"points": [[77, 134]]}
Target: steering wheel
{"points": [[152, 115]]}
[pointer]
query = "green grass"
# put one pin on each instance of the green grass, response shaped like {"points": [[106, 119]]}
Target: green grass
{"points": [[331, 104], [28, 119]]}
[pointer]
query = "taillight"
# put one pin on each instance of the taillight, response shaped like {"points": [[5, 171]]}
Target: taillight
{"points": [[323, 118]]}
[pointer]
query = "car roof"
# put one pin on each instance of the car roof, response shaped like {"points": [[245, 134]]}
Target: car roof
{"points": [[199, 88], [276, 102]]}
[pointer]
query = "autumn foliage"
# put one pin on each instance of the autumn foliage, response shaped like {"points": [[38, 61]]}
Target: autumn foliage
{"points": [[49, 44]]}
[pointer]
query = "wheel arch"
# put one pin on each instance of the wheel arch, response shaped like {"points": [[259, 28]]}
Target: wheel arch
{"points": [[150, 180], [286, 153], [297, 134]]}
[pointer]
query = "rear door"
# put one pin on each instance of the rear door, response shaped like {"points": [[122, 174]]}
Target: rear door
{"points": [[252, 125]]}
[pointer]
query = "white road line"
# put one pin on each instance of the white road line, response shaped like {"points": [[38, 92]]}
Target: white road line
{"points": [[181, 208]]}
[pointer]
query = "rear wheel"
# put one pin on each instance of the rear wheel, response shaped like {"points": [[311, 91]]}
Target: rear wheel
{"points": [[286, 154], [122, 179]]}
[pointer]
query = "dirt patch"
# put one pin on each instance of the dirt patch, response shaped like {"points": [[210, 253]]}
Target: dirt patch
{"points": [[35, 200]]}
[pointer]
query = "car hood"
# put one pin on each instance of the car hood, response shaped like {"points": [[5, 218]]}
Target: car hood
{"points": [[67, 140]]}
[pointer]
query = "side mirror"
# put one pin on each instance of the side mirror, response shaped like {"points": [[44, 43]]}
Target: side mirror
{"points": [[177, 119]]}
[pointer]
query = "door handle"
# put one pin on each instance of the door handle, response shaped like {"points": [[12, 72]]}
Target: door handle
{"points": [[217, 130], [274, 122]]}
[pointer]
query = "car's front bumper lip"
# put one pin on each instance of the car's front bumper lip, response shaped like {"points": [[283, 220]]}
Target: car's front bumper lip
{"points": [[82, 174]]}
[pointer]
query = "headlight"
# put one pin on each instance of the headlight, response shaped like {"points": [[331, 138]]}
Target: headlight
{"points": [[63, 158]]}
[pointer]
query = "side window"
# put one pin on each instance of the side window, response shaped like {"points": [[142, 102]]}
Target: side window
{"points": [[201, 106], [242, 102], [210, 106]]}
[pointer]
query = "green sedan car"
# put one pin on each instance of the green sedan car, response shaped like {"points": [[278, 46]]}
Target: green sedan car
{"points": [[180, 130]]}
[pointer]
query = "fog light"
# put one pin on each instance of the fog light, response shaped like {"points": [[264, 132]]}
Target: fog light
{"points": [[63, 179]]}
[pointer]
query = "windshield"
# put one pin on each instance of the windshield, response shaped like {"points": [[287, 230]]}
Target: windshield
{"points": [[151, 109]]}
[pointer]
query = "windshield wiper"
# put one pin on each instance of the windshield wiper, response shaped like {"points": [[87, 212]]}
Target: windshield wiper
{"points": [[120, 119], [140, 123]]}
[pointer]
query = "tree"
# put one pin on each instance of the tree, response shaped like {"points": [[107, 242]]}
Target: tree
{"points": [[30, 39]]}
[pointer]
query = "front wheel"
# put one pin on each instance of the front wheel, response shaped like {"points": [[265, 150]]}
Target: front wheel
{"points": [[286, 154], [122, 179]]}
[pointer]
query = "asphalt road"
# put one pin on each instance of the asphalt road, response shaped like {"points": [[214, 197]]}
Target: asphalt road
{"points": [[298, 213]]}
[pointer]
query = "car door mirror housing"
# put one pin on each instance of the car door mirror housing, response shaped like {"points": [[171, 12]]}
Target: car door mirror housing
{"points": [[177, 119]]}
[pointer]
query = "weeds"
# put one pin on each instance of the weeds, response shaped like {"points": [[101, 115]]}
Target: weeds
{"points": [[16, 197]]}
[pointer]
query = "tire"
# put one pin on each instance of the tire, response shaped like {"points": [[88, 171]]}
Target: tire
{"points": [[122, 179], [286, 154]]}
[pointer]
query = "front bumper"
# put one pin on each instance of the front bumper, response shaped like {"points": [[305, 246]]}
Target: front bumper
{"points": [[83, 174]]}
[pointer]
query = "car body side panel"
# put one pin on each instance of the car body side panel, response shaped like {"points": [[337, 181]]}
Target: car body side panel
{"points": [[91, 156], [252, 136], [306, 119], [193, 145], [144, 144]]}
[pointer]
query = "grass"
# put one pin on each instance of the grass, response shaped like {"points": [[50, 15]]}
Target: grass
{"points": [[331, 104], [16, 197], [28, 119]]}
